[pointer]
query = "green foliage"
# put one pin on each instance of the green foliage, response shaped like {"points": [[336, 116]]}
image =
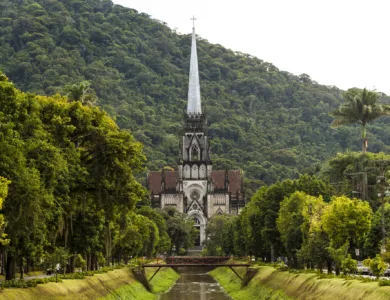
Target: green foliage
{"points": [[346, 219], [376, 265], [180, 228], [80, 262], [73, 188], [355, 174], [219, 233], [384, 282], [270, 123], [293, 223], [338, 255], [261, 214], [349, 265], [3, 194]]}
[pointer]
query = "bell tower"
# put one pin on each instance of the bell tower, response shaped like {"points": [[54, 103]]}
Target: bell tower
{"points": [[195, 188], [194, 165]]}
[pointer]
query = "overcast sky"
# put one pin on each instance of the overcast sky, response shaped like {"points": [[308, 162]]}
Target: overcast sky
{"points": [[337, 42]]}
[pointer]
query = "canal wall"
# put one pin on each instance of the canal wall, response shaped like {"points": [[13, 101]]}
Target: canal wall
{"points": [[270, 283], [117, 284]]}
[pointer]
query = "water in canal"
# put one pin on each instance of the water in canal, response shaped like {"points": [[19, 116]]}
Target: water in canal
{"points": [[195, 284]]}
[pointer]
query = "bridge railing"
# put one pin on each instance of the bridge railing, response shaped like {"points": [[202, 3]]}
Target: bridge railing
{"points": [[203, 260]]}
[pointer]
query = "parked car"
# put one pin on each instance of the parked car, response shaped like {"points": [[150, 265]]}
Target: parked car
{"points": [[363, 269]]}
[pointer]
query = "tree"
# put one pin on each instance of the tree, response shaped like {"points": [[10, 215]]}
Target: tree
{"points": [[180, 228], [72, 181], [3, 194], [82, 92], [349, 265], [218, 235], [264, 210], [362, 107], [338, 255], [376, 265], [295, 215], [346, 219]]}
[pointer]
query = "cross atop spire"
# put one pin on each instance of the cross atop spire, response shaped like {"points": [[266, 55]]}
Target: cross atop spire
{"points": [[194, 104], [193, 19]]}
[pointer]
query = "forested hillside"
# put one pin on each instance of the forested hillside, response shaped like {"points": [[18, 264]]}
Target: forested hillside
{"points": [[270, 123]]}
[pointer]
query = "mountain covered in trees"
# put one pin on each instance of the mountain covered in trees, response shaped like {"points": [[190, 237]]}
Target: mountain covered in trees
{"points": [[270, 123]]}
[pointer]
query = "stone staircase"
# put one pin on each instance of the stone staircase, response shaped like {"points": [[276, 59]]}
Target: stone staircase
{"points": [[195, 251]]}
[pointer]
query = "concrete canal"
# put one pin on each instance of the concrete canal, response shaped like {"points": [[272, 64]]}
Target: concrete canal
{"points": [[195, 284]]}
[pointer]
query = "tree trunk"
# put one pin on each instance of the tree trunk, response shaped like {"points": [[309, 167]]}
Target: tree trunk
{"points": [[70, 267], [329, 264], [21, 270], [88, 262], [320, 267], [337, 269], [2, 269], [365, 140], [10, 267], [108, 244], [272, 253], [27, 267]]}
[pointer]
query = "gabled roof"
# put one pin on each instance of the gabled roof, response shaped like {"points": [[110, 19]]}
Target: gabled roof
{"points": [[154, 181], [170, 179], [234, 177]]}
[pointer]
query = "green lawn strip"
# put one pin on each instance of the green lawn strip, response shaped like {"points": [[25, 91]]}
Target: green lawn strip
{"points": [[91, 287], [270, 283], [163, 280], [160, 283], [232, 285], [133, 291]]}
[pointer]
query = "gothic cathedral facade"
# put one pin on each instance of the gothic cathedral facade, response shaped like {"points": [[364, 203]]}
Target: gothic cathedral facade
{"points": [[195, 188]]}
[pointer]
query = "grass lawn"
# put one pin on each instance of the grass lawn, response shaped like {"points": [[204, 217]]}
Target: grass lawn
{"points": [[270, 283]]}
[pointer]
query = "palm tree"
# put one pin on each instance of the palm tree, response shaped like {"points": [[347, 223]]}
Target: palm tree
{"points": [[82, 92], [362, 107]]}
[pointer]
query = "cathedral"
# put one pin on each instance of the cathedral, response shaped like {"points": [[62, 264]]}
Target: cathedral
{"points": [[195, 188]]}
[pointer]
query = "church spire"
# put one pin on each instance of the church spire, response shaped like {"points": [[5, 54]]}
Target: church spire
{"points": [[194, 105]]}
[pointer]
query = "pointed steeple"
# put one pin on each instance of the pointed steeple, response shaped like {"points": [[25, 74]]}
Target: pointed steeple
{"points": [[194, 105]]}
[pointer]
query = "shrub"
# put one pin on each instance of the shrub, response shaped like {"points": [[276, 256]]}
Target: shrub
{"points": [[80, 262], [349, 265], [377, 265], [384, 282]]}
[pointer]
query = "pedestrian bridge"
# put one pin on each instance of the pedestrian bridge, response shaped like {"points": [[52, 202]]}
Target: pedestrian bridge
{"points": [[196, 261]]}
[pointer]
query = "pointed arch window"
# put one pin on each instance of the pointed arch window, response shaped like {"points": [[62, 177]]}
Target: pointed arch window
{"points": [[195, 155]]}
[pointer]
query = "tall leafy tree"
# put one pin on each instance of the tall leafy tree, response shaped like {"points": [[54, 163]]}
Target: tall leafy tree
{"points": [[361, 107], [3, 194], [295, 214], [346, 219]]}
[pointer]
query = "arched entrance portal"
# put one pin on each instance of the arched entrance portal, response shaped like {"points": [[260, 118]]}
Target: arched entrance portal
{"points": [[197, 226], [200, 225]]}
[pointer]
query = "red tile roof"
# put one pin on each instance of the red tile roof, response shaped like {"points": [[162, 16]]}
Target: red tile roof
{"points": [[154, 182], [234, 181], [170, 180], [234, 177]]}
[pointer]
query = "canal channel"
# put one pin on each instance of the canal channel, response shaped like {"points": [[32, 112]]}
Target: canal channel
{"points": [[195, 284]]}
